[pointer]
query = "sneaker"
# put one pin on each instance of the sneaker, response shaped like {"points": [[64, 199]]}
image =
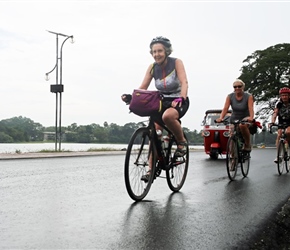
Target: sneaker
{"points": [[146, 177], [180, 152], [247, 149], [276, 161]]}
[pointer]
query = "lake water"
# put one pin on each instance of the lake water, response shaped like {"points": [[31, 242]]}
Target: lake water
{"points": [[36, 147]]}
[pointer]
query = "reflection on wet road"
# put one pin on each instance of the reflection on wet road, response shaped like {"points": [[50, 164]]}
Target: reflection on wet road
{"points": [[81, 203]]}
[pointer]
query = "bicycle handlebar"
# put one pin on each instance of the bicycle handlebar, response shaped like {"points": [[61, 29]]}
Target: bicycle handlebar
{"points": [[235, 122], [279, 125]]}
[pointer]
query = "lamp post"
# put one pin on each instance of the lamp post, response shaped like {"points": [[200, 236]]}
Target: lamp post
{"points": [[57, 88]]}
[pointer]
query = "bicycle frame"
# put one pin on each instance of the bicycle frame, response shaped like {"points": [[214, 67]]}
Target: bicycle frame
{"points": [[163, 158], [238, 136], [154, 138]]}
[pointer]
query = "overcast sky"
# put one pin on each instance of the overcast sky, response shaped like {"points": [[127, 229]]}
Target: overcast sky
{"points": [[111, 53]]}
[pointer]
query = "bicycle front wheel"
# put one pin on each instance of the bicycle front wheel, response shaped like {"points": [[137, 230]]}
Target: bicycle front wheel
{"points": [[287, 149], [280, 157], [245, 165], [139, 160], [232, 159], [177, 172]]}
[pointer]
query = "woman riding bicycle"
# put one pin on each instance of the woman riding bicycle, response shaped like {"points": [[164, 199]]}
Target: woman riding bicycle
{"points": [[282, 110], [242, 104], [170, 79]]}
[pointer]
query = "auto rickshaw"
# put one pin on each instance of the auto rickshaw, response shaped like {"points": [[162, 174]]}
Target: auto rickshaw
{"points": [[215, 135]]}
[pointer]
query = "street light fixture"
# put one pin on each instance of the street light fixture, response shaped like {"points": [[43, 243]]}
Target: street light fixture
{"points": [[58, 87]]}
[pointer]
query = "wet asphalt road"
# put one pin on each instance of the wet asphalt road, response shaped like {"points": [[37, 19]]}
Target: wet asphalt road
{"points": [[82, 203]]}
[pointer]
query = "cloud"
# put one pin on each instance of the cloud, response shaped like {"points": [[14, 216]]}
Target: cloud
{"points": [[111, 53]]}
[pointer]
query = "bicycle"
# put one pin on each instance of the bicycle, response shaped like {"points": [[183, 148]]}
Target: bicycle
{"points": [[144, 150], [235, 155], [283, 151]]}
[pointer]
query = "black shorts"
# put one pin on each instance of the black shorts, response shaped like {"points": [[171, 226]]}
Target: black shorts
{"points": [[166, 103], [283, 121]]}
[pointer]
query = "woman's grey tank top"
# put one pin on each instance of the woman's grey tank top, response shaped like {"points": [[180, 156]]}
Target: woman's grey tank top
{"points": [[240, 108], [166, 80]]}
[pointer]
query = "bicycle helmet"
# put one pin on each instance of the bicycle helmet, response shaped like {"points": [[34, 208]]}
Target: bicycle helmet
{"points": [[284, 90], [160, 39]]}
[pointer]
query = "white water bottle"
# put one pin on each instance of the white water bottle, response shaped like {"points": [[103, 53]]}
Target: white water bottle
{"points": [[160, 137], [159, 133], [165, 141]]}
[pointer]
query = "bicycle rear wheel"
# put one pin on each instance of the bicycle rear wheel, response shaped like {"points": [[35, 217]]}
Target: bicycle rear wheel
{"points": [[138, 157], [177, 172], [245, 165], [280, 157], [232, 159]]}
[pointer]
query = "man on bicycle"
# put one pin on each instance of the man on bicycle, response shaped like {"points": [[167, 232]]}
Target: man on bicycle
{"points": [[282, 110]]}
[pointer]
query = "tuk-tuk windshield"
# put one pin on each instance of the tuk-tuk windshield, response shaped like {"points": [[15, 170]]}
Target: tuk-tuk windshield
{"points": [[209, 120], [211, 117]]}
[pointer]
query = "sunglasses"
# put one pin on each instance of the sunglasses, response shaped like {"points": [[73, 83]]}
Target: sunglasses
{"points": [[238, 86]]}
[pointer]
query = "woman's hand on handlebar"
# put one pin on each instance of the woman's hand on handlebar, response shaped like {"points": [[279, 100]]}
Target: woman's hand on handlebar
{"points": [[248, 119], [177, 101], [126, 98], [219, 120]]}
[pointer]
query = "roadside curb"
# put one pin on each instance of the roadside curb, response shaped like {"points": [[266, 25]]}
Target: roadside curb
{"points": [[36, 155], [57, 155]]}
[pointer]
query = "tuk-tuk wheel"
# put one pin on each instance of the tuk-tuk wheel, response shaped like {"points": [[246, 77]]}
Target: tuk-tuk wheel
{"points": [[214, 156]]}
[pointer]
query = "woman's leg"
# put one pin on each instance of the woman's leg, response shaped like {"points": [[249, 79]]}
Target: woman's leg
{"points": [[146, 177], [279, 133], [288, 134], [171, 119], [244, 128]]}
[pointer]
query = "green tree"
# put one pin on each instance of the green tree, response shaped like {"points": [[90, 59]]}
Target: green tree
{"points": [[73, 127], [265, 72], [22, 129], [127, 131], [101, 134], [4, 138], [71, 136], [85, 134], [115, 132]]}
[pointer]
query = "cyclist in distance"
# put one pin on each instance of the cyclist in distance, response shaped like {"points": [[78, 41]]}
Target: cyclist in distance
{"points": [[242, 104], [171, 80], [282, 111]]}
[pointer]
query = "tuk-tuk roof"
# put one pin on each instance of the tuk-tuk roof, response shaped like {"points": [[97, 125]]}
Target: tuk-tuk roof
{"points": [[216, 111]]}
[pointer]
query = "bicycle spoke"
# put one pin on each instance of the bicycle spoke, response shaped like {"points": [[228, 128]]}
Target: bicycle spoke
{"points": [[138, 159], [232, 159], [245, 166]]}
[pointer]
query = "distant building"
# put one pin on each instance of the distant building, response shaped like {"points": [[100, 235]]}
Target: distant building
{"points": [[48, 136]]}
